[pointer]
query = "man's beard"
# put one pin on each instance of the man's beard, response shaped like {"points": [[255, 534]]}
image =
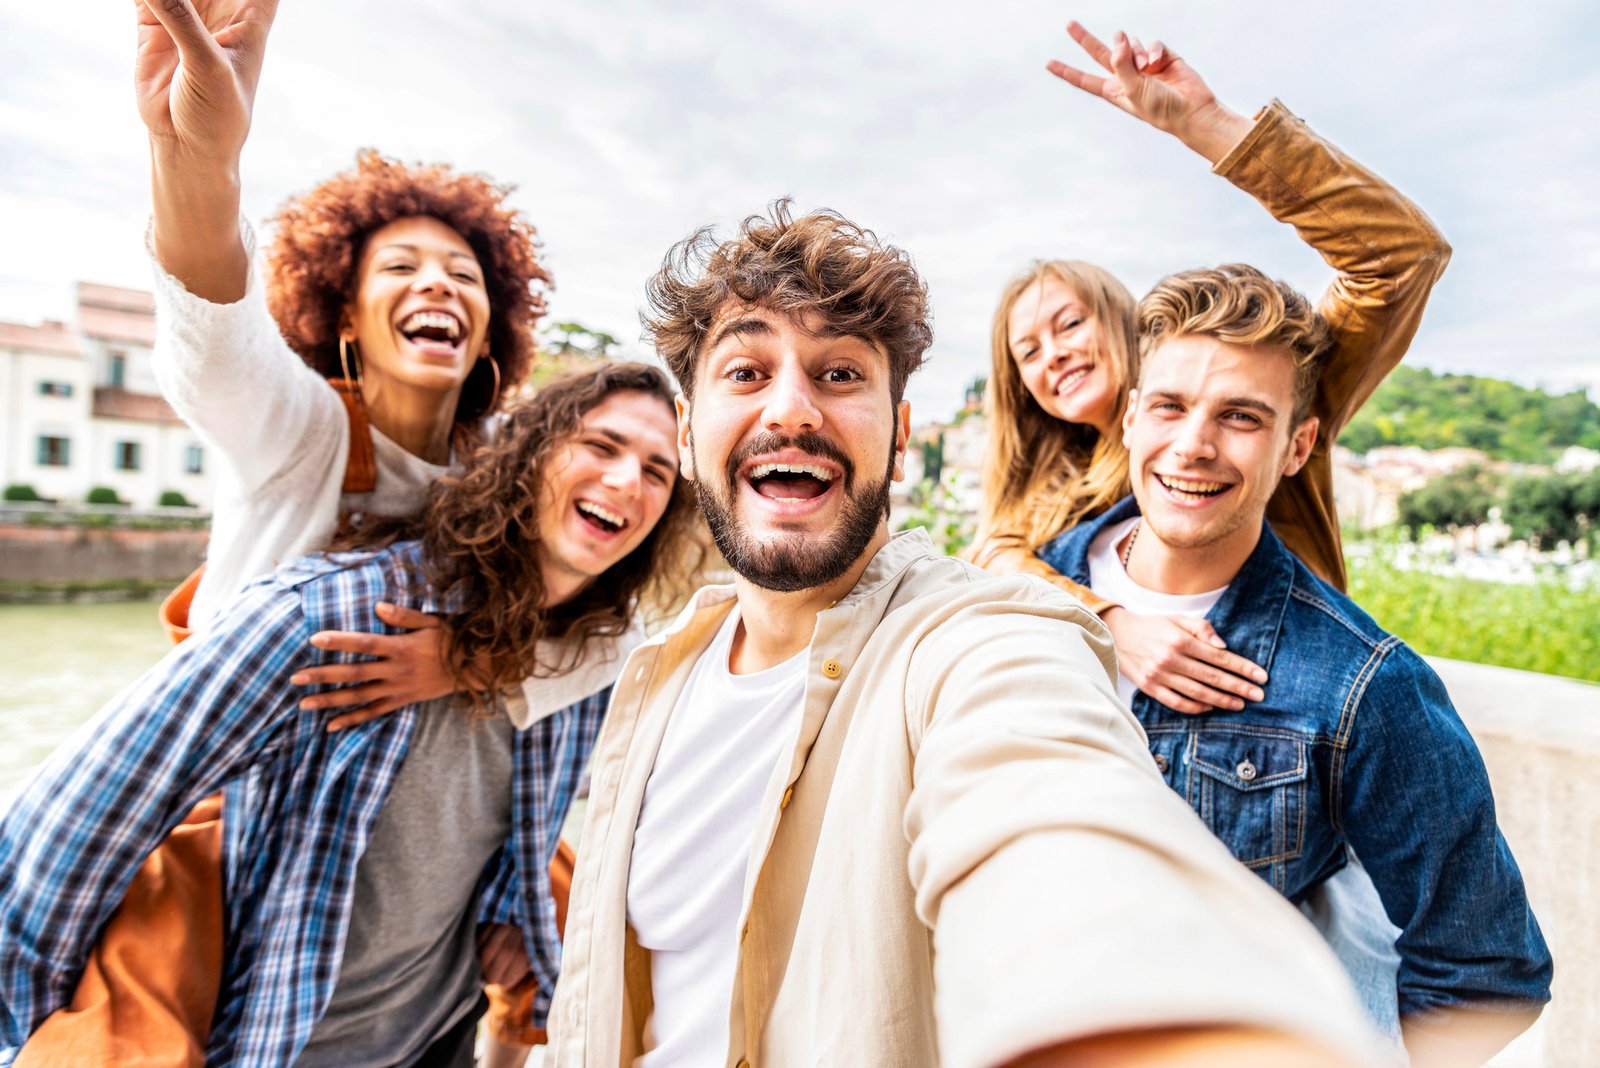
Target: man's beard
{"points": [[787, 563]]}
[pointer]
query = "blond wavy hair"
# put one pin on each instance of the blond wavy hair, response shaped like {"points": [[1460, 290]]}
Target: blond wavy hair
{"points": [[1238, 304], [1042, 475]]}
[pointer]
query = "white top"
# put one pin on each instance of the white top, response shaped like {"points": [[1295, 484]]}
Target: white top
{"points": [[282, 437], [280, 431], [1109, 579], [692, 847]]}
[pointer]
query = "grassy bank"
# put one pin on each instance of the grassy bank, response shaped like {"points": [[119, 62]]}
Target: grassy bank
{"points": [[1539, 627]]}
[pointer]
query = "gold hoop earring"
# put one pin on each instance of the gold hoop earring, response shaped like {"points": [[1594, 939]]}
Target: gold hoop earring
{"points": [[346, 347]]}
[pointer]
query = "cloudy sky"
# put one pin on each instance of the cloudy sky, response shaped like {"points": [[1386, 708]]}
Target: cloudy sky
{"points": [[933, 123]]}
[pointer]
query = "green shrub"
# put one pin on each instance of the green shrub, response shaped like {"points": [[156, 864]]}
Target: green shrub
{"points": [[103, 495], [1545, 626], [21, 491], [174, 499]]}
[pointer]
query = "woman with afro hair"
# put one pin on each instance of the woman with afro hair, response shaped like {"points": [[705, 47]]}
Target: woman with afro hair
{"points": [[394, 313]]}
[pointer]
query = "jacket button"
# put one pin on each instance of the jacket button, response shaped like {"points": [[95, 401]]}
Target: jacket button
{"points": [[743, 1063], [1246, 770], [1161, 763], [832, 668], [787, 794]]}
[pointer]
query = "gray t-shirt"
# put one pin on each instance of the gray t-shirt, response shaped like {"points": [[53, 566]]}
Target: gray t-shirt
{"points": [[410, 966]]}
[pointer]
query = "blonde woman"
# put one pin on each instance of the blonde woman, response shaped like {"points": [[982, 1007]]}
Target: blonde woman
{"points": [[1064, 347]]}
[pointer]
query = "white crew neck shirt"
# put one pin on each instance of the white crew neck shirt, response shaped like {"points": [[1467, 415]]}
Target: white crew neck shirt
{"points": [[692, 845], [1109, 579]]}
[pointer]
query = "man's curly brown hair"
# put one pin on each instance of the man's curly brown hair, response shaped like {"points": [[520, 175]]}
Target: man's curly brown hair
{"points": [[480, 533], [319, 238], [820, 262]]}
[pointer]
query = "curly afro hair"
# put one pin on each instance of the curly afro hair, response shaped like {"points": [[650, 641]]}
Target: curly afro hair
{"points": [[319, 237]]}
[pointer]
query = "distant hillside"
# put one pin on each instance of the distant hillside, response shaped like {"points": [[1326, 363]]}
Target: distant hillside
{"points": [[1415, 406]]}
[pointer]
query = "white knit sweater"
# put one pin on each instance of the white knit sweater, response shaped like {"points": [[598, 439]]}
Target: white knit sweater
{"points": [[281, 437]]}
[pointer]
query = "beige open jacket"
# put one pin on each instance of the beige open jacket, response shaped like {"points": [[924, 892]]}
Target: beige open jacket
{"points": [[1388, 255], [967, 855]]}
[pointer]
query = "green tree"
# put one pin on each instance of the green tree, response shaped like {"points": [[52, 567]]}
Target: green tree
{"points": [[1416, 406], [1542, 509], [1460, 499], [21, 491]]}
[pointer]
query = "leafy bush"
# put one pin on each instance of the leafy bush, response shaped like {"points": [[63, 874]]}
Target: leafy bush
{"points": [[936, 508], [21, 491], [103, 495], [1546, 626], [174, 499]]}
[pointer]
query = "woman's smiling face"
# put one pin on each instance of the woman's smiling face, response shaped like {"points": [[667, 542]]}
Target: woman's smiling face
{"points": [[420, 315], [1059, 351]]}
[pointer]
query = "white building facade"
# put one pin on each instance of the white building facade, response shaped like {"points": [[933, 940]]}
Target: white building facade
{"points": [[80, 408]]}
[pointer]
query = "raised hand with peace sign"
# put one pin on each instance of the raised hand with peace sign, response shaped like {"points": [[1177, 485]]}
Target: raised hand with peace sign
{"points": [[1157, 86]]}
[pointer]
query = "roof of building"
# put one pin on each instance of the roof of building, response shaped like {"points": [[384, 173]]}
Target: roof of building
{"points": [[49, 336], [113, 403], [116, 298]]}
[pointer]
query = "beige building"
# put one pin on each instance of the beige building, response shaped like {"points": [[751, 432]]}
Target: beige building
{"points": [[81, 408]]}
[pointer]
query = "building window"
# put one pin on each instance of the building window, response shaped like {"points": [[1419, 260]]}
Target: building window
{"points": [[54, 452], [118, 370], [194, 460], [55, 389], [127, 456]]}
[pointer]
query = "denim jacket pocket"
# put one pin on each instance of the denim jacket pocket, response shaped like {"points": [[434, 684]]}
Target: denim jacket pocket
{"points": [[1250, 789]]}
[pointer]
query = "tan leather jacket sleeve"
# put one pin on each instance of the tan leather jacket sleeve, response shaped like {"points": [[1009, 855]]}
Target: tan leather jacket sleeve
{"points": [[1388, 255], [1008, 554]]}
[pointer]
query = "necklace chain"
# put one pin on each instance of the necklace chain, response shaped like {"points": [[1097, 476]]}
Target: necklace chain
{"points": [[1127, 550]]}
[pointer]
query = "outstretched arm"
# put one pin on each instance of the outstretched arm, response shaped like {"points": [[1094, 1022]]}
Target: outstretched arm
{"points": [[195, 78]]}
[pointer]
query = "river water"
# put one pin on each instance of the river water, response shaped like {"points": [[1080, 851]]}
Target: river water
{"points": [[58, 664]]}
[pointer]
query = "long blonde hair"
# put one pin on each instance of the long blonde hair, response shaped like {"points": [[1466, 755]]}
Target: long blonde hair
{"points": [[1041, 474]]}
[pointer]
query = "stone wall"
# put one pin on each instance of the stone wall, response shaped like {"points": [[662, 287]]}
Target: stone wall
{"points": [[1540, 737], [58, 556]]}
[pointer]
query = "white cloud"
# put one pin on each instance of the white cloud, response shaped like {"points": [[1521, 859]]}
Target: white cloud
{"points": [[932, 123]]}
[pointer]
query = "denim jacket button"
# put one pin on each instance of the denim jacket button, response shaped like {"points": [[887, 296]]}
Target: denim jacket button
{"points": [[1161, 763], [1245, 770]]}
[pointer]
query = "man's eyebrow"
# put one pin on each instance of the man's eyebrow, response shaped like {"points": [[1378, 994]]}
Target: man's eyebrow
{"points": [[744, 326], [1253, 403], [625, 441]]}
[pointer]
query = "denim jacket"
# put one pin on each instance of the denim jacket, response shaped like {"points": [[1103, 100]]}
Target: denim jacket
{"points": [[1355, 744]]}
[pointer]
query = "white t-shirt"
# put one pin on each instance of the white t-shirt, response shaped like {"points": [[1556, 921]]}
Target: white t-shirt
{"points": [[1109, 579], [692, 846], [1345, 907]]}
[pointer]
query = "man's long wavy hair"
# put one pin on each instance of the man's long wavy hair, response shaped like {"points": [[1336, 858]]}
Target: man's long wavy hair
{"points": [[480, 534], [1042, 475], [319, 236]]}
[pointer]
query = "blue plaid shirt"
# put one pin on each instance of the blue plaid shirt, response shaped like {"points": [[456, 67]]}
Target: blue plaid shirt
{"points": [[301, 804]]}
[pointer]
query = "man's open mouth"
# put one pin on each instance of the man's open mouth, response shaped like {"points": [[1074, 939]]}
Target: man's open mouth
{"points": [[1189, 489], [790, 482], [601, 518]]}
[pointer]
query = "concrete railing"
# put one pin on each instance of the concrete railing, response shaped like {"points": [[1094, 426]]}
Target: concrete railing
{"points": [[1540, 737]]}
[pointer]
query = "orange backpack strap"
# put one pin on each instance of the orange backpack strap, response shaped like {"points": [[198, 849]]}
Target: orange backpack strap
{"points": [[174, 610], [360, 466], [360, 476]]}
